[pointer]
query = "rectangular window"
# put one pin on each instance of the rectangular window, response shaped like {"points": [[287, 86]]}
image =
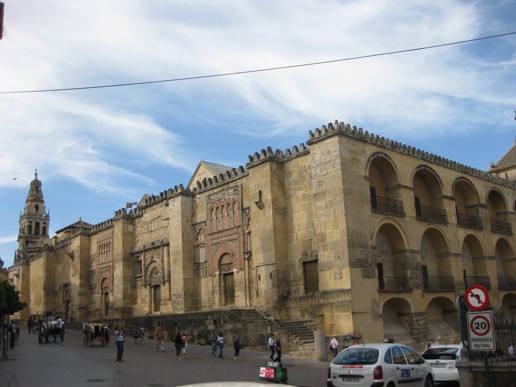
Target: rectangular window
{"points": [[311, 274]]}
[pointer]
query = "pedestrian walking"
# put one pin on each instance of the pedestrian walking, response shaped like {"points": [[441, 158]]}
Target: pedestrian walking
{"points": [[160, 338], [178, 342], [119, 334], [12, 332], [220, 343], [272, 345], [142, 334], [334, 346], [277, 346], [184, 338], [213, 343], [236, 347]]}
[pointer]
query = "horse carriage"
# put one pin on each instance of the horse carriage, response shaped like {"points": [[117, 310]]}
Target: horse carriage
{"points": [[50, 328], [95, 331]]}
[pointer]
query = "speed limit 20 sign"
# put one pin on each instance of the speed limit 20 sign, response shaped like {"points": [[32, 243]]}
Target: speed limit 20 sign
{"points": [[480, 326]]}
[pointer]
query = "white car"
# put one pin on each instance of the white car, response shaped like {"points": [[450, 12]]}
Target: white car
{"points": [[383, 364], [443, 359]]}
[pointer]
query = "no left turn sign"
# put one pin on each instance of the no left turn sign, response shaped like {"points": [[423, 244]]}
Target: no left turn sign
{"points": [[476, 297]]}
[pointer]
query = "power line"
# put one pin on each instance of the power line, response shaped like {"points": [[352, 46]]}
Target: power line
{"points": [[258, 70]]}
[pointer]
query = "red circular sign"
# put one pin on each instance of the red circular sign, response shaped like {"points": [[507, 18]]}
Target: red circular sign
{"points": [[476, 297], [480, 325]]}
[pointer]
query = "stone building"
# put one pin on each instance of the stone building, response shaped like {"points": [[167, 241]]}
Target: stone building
{"points": [[353, 232]]}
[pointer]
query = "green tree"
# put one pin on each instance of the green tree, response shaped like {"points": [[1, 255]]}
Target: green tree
{"points": [[9, 299]]}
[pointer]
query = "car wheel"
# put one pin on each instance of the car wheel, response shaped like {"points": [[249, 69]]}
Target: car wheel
{"points": [[429, 382]]}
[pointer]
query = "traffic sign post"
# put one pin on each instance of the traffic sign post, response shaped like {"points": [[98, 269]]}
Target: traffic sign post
{"points": [[481, 335]]}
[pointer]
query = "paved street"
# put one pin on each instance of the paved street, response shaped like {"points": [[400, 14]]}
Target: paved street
{"points": [[71, 364]]}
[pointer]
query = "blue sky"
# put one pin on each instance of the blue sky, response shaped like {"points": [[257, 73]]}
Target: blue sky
{"points": [[97, 149]]}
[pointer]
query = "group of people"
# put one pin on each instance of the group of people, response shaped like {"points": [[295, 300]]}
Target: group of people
{"points": [[181, 344], [274, 345], [217, 344]]}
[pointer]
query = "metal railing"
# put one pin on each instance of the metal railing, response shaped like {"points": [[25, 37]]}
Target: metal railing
{"points": [[395, 284], [469, 221], [390, 206], [501, 227], [506, 283], [483, 280], [504, 332], [438, 284], [432, 214]]}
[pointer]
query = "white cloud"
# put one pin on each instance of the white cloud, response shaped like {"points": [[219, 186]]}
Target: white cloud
{"points": [[68, 44]]}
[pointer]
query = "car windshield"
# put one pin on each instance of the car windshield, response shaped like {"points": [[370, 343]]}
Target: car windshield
{"points": [[357, 356], [440, 353]]}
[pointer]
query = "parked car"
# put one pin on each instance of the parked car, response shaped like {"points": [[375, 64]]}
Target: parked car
{"points": [[383, 364], [443, 359]]}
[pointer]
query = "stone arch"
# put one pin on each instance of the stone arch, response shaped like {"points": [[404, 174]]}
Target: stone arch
{"points": [[225, 257], [397, 320], [461, 183], [431, 172], [427, 187], [505, 263], [436, 261], [153, 273], [391, 259], [508, 304], [385, 160], [474, 261], [384, 184], [498, 195], [441, 313]]}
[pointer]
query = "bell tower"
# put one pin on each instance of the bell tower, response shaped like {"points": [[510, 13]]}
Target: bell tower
{"points": [[34, 223]]}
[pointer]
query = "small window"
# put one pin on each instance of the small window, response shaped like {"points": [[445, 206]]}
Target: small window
{"points": [[36, 207]]}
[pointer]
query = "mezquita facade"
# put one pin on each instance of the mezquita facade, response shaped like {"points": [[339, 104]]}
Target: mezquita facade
{"points": [[351, 231]]}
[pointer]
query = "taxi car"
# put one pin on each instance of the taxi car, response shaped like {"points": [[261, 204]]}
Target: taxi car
{"points": [[443, 359], [382, 364]]}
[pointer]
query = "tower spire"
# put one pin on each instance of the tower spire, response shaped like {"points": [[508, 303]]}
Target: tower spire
{"points": [[34, 222]]}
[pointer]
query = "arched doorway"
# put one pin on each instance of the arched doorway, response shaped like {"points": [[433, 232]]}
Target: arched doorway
{"points": [[155, 281], [67, 303], [104, 286], [228, 279]]}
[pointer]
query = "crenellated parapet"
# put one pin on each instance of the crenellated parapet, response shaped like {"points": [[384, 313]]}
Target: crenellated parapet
{"points": [[102, 225], [340, 128], [229, 176], [170, 193], [268, 155]]}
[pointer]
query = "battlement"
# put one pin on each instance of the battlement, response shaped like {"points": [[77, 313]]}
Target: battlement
{"points": [[340, 128], [220, 179], [278, 155], [102, 225]]}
